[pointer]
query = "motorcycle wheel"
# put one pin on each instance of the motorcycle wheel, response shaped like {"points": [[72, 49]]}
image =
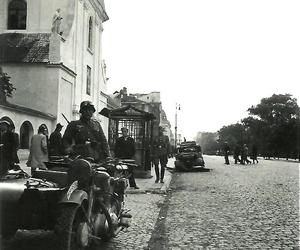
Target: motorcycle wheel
{"points": [[68, 224]]}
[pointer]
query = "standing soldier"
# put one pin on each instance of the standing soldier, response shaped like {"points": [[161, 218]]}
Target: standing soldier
{"points": [[254, 153], [85, 136], [226, 153], [161, 151], [55, 141], [236, 154]]}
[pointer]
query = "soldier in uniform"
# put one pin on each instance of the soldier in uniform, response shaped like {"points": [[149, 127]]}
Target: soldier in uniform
{"points": [[161, 152], [85, 136]]}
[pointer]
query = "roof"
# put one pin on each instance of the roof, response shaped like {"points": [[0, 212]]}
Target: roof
{"points": [[26, 110], [24, 47], [127, 112]]}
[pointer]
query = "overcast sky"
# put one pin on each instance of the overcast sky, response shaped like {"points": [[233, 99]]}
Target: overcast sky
{"points": [[214, 57]]}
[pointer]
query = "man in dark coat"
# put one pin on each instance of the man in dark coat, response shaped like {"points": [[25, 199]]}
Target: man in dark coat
{"points": [[125, 149], [55, 141], [10, 142], [236, 154], [85, 136], [254, 153], [161, 151], [226, 153]]}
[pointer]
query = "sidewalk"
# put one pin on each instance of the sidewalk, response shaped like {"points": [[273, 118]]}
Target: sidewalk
{"points": [[145, 185], [149, 186]]}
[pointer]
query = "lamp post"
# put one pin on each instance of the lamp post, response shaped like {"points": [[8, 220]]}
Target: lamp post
{"points": [[177, 107]]}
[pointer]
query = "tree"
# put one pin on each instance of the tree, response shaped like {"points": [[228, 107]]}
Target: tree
{"points": [[234, 134], [6, 87], [274, 123], [208, 142]]}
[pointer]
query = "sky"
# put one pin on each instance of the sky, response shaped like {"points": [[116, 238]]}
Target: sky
{"points": [[216, 58]]}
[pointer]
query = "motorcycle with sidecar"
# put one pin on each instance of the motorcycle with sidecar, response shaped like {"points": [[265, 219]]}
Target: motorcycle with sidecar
{"points": [[83, 202]]}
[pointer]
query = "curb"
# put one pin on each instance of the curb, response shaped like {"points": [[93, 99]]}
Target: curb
{"points": [[154, 190]]}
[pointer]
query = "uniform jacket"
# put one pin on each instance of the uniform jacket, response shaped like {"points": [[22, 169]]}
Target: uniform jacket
{"points": [[10, 146], [87, 139], [55, 143], [161, 146], [124, 148], [38, 152]]}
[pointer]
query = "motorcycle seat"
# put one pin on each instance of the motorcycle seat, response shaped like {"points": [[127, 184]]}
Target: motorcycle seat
{"points": [[61, 178]]}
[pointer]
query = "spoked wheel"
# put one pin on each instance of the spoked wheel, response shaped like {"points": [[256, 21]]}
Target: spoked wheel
{"points": [[72, 228]]}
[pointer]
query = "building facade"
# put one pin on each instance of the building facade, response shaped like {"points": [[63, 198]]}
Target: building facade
{"points": [[52, 51]]}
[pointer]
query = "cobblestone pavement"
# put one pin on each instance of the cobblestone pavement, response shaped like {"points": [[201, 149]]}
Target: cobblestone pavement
{"points": [[232, 207]]}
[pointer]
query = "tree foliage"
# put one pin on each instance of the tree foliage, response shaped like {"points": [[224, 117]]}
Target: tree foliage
{"points": [[6, 87], [272, 125], [208, 142]]}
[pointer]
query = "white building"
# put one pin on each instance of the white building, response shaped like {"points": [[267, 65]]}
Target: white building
{"points": [[54, 65]]}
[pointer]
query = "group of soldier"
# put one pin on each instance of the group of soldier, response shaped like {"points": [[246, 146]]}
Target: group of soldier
{"points": [[85, 137], [240, 154]]}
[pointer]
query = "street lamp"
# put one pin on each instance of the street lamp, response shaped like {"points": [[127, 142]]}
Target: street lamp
{"points": [[177, 107]]}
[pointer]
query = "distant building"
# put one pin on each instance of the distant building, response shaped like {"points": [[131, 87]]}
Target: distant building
{"points": [[52, 51], [149, 102], [165, 123]]}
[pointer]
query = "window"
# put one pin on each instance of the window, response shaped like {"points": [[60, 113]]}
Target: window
{"points": [[88, 80], [90, 35], [17, 13]]}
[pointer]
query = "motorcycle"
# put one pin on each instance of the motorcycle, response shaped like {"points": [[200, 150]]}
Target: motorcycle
{"points": [[83, 202]]}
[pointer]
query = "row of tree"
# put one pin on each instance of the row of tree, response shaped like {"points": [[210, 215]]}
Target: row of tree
{"points": [[273, 126]]}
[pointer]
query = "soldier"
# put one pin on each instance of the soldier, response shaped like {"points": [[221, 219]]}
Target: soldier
{"points": [[55, 141], [161, 151], [85, 136], [236, 154], [226, 152], [125, 149]]}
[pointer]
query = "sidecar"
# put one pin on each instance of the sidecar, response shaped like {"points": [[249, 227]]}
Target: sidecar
{"points": [[25, 201], [32, 202], [189, 157]]}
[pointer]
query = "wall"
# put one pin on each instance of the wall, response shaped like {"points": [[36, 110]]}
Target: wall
{"points": [[36, 86], [19, 118]]}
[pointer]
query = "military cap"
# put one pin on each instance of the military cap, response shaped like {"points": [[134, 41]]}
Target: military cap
{"points": [[86, 105]]}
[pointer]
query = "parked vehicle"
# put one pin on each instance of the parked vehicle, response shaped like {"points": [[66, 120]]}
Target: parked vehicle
{"points": [[81, 201], [189, 156]]}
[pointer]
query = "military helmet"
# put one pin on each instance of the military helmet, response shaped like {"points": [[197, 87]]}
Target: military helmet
{"points": [[86, 105]]}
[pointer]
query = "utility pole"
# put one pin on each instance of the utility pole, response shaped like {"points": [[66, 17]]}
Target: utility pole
{"points": [[177, 107]]}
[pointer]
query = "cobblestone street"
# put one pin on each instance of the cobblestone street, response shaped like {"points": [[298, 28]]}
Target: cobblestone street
{"points": [[230, 207], [233, 207]]}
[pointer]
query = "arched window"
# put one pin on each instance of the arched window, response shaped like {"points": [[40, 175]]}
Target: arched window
{"points": [[17, 13], [90, 38], [26, 132]]}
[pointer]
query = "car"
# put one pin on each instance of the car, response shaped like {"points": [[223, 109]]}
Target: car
{"points": [[189, 156]]}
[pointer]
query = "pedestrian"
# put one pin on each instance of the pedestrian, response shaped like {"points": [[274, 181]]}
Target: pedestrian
{"points": [[38, 155], [125, 149], [55, 141], [161, 151], [236, 154], [226, 152], [10, 147], [85, 136], [254, 153], [244, 155]]}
